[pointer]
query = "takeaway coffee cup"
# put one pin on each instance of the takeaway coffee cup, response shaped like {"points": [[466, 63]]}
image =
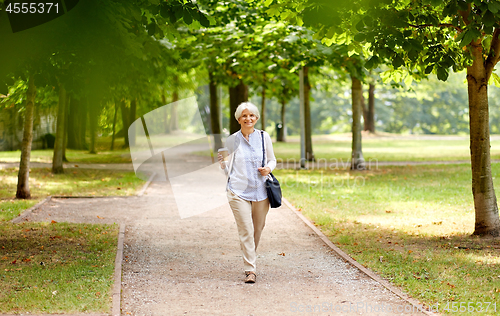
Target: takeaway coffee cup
{"points": [[224, 152]]}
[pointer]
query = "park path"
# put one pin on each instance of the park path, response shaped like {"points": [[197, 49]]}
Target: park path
{"points": [[193, 266]]}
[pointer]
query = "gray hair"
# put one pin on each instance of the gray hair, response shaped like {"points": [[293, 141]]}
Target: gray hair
{"points": [[248, 106]]}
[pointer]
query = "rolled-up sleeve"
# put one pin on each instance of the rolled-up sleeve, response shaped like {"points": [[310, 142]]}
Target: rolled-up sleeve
{"points": [[271, 159]]}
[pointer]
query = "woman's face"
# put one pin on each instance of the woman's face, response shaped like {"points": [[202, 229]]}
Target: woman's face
{"points": [[247, 119]]}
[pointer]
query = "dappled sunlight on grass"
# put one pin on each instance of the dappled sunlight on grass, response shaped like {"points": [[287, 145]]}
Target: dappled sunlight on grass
{"points": [[412, 224], [56, 267]]}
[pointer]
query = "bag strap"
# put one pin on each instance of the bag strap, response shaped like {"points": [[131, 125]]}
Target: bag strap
{"points": [[263, 153]]}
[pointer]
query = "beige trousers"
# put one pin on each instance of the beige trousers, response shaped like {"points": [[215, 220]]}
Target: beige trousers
{"points": [[250, 218]]}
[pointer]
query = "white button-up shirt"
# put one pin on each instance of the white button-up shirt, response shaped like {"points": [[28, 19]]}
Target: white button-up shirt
{"points": [[245, 158]]}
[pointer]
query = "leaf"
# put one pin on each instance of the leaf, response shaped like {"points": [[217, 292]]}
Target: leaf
{"points": [[488, 18], [203, 20], [331, 32], [368, 20], [467, 38], [360, 37], [496, 79], [428, 69], [151, 29], [397, 61], [188, 19], [408, 80], [442, 74], [268, 3], [413, 55], [407, 33], [360, 26], [448, 61], [494, 6]]}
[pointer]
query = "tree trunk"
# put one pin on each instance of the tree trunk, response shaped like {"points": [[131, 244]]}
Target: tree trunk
{"points": [[82, 133], [57, 160], [164, 101], [125, 118], [357, 160], [263, 107], [133, 113], [307, 116], [173, 124], [485, 201], [93, 121], [237, 95], [281, 134], [23, 187], [66, 127], [214, 112], [12, 126], [364, 111], [371, 109], [114, 126], [73, 115]]}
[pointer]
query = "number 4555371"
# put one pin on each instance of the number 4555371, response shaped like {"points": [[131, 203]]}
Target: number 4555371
{"points": [[470, 307], [24, 8]]}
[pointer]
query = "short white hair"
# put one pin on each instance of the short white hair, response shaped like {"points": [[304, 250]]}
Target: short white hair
{"points": [[246, 106]]}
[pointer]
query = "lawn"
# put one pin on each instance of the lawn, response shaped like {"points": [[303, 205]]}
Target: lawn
{"points": [[412, 225], [56, 267]]}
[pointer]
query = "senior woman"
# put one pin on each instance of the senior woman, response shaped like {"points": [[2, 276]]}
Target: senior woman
{"points": [[246, 191]]}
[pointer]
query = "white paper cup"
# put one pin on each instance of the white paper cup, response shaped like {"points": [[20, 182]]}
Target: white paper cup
{"points": [[224, 152]]}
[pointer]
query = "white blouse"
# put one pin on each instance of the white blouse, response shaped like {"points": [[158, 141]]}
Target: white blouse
{"points": [[245, 157]]}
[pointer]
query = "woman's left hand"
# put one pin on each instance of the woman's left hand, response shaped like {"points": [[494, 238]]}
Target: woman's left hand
{"points": [[264, 171]]}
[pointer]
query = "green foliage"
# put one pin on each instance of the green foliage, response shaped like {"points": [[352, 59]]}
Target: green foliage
{"points": [[420, 36]]}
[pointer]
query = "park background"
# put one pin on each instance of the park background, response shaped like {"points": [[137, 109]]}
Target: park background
{"points": [[79, 81]]}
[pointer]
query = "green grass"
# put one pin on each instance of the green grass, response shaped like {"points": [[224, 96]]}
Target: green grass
{"points": [[386, 148], [74, 182], [56, 267], [59, 267], [410, 224]]}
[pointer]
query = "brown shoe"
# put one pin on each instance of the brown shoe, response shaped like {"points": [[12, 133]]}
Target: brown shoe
{"points": [[250, 277]]}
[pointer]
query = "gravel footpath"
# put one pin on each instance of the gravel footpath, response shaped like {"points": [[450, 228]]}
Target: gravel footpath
{"points": [[193, 266]]}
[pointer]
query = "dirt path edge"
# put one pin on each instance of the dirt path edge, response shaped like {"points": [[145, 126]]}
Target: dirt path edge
{"points": [[117, 286], [27, 212]]}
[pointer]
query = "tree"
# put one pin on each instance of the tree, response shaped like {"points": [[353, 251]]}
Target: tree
{"points": [[369, 111], [57, 160], [23, 188], [424, 36]]}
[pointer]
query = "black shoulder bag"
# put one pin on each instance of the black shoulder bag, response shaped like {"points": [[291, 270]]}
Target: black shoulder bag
{"points": [[272, 184]]}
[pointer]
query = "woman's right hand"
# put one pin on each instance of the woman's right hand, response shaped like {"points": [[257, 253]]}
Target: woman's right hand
{"points": [[221, 161]]}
